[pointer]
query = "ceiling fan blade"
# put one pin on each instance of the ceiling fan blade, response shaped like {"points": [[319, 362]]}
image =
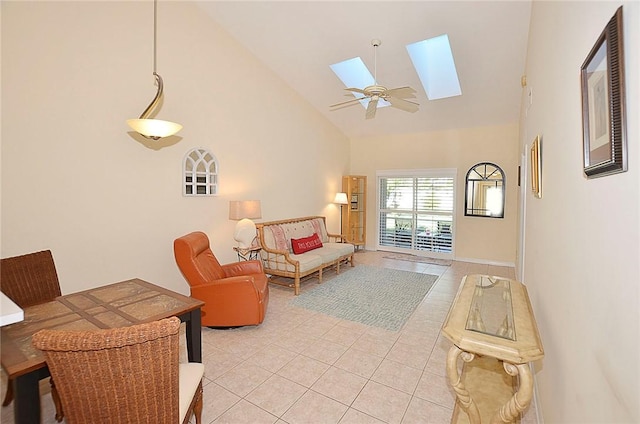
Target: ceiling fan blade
{"points": [[402, 104], [356, 90], [402, 92], [372, 107], [347, 102]]}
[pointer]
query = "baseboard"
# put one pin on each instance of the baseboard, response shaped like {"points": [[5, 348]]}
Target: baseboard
{"points": [[486, 262], [536, 399]]}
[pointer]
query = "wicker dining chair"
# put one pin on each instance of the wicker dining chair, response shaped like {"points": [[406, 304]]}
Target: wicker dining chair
{"points": [[29, 280], [123, 375]]}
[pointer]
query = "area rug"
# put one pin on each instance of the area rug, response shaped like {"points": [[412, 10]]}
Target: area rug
{"points": [[370, 295], [412, 258]]}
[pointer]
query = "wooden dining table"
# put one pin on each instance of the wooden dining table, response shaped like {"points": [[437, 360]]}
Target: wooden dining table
{"points": [[115, 305]]}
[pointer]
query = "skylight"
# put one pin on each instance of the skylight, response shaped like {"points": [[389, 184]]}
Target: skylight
{"points": [[354, 74], [434, 64]]}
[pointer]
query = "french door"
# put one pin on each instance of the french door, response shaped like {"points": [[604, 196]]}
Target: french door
{"points": [[416, 212]]}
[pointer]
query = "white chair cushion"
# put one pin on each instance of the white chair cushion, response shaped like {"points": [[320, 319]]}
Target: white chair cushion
{"points": [[190, 375]]}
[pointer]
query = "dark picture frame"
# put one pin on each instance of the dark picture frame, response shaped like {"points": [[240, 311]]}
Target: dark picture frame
{"points": [[603, 103]]}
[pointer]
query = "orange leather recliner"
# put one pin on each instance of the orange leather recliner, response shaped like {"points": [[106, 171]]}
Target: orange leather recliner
{"points": [[234, 294]]}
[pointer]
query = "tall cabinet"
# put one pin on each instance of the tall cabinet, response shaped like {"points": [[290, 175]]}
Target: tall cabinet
{"points": [[354, 213]]}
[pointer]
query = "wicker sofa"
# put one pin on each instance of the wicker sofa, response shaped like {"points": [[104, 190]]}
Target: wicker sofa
{"points": [[278, 257]]}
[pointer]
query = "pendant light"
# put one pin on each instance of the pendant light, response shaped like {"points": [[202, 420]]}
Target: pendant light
{"points": [[154, 128]]}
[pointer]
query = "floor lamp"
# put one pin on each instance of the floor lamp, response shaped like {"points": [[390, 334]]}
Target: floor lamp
{"points": [[341, 199]]}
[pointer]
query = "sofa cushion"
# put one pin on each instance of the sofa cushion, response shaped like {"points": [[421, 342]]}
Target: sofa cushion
{"points": [[308, 261], [341, 248], [305, 244], [319, 228], [327, 254], [279, 238]]}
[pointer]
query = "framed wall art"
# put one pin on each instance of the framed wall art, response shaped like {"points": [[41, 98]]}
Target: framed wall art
{"points": [[603, 103], [536, 168]]}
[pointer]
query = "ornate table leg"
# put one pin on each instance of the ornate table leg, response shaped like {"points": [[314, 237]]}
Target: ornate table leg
{"points": [[467, 403], [521, 399]]}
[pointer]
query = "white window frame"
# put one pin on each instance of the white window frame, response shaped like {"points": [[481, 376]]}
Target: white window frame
{"points": [[416, 173]]}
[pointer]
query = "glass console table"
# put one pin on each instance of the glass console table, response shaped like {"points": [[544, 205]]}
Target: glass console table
{"points": [[491, 321]]}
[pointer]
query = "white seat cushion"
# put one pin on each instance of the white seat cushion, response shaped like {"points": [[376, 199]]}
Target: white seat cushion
{"points": [[308, 260], [342, 248], [327, 254], [190, 375]]}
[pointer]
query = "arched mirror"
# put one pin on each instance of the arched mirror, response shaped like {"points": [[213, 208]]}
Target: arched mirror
{"points": [[200, 173], [484, 191]]}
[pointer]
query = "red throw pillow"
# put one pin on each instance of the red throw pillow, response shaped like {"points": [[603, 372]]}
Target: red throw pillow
{"points": [[305, 244]]}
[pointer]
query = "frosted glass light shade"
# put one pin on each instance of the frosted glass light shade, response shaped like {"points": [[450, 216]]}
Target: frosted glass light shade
{"points": [[154, 128], [341, 199]]}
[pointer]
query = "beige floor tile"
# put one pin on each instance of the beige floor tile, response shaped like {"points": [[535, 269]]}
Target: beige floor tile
{"points": [[243, 379], [376, 345], [318, 326], [357, 362], [219, 363], [313, 407], [245, 413], [382, 333], [397, 376], [353, 416], [276, 395], [382, 402], [340, 385], [438, 358], [421, 411], [345, 336], [216, 400], [325, 351], [296, 341], [303, 370], [435, 388], [271, 358], [419, 337], [415, 356], [423, 324]]}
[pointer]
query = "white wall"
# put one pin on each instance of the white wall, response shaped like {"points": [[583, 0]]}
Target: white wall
{"points": [[460, 149], [108, 206], [582, 238]]}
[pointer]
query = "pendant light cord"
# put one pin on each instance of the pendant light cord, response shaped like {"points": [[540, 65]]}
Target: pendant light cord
{"points": [[155, 100], [155, 31]]}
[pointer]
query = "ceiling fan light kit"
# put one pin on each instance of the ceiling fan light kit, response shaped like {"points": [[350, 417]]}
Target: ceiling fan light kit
{"points": [[397, 97]]}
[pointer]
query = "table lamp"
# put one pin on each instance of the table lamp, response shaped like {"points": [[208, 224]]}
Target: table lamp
{"points": [[244, 211]]}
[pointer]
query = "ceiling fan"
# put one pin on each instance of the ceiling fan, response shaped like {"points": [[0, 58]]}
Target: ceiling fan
{"points": [[397, 97]]}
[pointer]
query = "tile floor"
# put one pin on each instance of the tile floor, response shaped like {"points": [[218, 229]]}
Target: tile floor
{"points": [[300, 366]]}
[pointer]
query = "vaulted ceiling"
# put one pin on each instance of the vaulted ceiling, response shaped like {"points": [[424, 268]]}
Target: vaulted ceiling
{"points": [[298, 40]]}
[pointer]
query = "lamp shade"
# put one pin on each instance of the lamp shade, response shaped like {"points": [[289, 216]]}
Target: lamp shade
{"points": [[240, 209], [341, 199], [154, 128], [244, 211]]}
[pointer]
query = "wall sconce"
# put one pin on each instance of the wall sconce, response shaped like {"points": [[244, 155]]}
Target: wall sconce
{"points": [[244, 211], [154, 128]]}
